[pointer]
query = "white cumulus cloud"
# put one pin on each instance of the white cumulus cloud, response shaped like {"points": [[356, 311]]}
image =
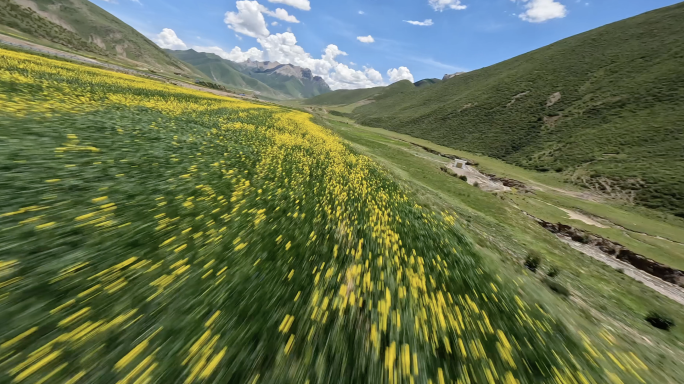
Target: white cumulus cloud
{"points": [[279, 14], [301, 4], [426, 23], [248, 20], [538, 11], [236, 54], [373, 75], [401, 73], [366, 39], [283, 48], [167, 39], [440, 5]]}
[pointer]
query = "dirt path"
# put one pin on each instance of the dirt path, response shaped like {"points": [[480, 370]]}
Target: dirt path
{"points": [[475, 176], [670, 290]]}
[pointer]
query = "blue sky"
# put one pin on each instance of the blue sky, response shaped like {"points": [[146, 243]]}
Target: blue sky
{"points": [[332, 37]]}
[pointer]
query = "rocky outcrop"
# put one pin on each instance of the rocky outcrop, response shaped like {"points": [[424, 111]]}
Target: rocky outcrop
{"points": [[449, 76], [618, 251]]}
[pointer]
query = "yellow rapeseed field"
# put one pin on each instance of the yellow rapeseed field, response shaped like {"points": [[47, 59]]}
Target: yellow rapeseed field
{"points": [[153, 234]]}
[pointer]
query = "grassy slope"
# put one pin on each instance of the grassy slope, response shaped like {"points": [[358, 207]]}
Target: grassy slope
{"points": [[346, 100], [28, 21], [426, 82], [552, 190], [344, 96], [96, 28], [114, 193], [621, 109], [506, 234]]}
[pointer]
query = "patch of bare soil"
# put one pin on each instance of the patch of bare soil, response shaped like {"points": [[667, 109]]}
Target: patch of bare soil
{"points": [[551, 120], [516, 97], [474, 176], [574, 215], [553, 99], [469, 105]]}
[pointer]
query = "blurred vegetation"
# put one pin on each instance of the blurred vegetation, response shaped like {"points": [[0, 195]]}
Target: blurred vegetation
{"points": [[601, 296]]}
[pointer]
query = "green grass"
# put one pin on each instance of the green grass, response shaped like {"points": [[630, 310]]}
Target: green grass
{"points": [[618, 121], [551, 190], [27, 21], [350, 96], [426, 82], [663, 251], [152, 232], [600, 295]]}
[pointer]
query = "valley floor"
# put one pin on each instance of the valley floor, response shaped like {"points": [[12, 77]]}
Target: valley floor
{"points": [[599, 293]]}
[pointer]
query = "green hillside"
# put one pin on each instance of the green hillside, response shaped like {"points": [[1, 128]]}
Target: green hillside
{"points": [[344, 96], [351, 96], [83, 26], [604, 108], [426, 82], [26, 20], [222, 71]]}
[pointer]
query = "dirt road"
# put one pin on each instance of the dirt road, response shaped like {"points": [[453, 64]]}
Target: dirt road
{"points": [[670, 290]]}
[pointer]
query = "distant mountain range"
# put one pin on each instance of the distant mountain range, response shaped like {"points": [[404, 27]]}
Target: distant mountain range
{"points": [[268, 79], [604, 109], [83, 27]]}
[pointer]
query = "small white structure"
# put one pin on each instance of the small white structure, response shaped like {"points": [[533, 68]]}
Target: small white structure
{"points": [[458, 163]]}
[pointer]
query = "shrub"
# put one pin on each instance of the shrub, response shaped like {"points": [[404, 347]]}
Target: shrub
{"points": [[659, 321], [533, 260], [338, 113], [476, 184], [464, 178], [552, 272], [557, 287], [448, 170]]}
